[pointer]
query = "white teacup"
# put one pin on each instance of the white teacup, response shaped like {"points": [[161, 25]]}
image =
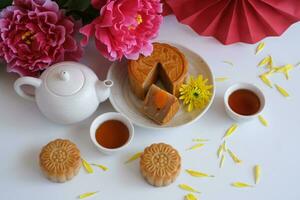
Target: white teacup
{"points": [[111, 116], [238, 117]]}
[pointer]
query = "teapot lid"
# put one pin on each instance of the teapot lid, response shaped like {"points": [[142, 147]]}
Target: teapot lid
{"points": [[65, 80]]}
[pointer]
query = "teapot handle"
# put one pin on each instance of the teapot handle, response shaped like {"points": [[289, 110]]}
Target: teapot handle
{"points": [[26, 80]]}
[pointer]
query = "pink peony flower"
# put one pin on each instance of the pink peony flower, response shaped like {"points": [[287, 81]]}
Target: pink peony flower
{"points": [[34, 34], [98, 4], [125, 28]]}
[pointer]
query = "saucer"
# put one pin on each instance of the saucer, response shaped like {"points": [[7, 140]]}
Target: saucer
{"points": [[125, 102]]}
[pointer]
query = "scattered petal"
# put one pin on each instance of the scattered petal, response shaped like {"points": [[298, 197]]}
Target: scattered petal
{"points": [[257, 172], [228, 62], [240, 185], [220, 151], [282, 91], [271, 63], [266, 80], [100, 166], [197, 173], [188, 188], [221, 79], [234, 157], [88, 194], [222, 148], [230, 130], [200, 140], [190, 196], [196, 146], [260, 47], [264, 61], [285, 70], [87, 166], [222, 161], [134, 157], [270, 72], [263, 120]]}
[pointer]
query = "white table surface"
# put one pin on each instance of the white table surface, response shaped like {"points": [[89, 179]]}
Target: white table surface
{"points": [[24, 131]]}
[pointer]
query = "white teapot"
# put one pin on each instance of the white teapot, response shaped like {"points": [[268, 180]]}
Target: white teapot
{"points": [[67, 92]]}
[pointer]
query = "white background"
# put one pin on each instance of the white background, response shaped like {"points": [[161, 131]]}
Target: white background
{"points": [[24, 131]]}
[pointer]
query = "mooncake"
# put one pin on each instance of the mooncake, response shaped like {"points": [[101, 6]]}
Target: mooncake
{"points": [[60, 160], [160, 105], [166, 63], [160, 164]]}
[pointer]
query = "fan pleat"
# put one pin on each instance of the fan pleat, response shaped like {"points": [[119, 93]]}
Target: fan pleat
{"points": [[213, 14], [233, 21]]}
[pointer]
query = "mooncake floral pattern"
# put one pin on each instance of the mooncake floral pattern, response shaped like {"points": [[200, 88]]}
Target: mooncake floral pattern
{"points": [[60, 156], [160, 160]]}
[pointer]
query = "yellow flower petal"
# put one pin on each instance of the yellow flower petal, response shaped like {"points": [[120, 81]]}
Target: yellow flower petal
{"points": [[266, 80], [234, 157], [282, 91], [188, 188], [240, 185], [222, 161], [200, 140], [197, 173], [196, 146], [270, 64], [263, 120], [285, 70], [220, 151], [87, 166], [190, 196], [230, 130], [270, 72], [190, 107], [228, 62], [260, 47], [196, 93], [221, 79], [134, 157], [100, 166], [264, 61], [224, 146], [88, 194], [257, 172]]}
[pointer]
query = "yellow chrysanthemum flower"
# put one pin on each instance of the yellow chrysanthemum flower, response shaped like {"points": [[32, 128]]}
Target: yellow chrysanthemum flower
{"points": [[196, 93]]}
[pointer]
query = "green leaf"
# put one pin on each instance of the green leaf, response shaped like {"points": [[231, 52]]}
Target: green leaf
{"points": [[5, 3], [77, 15], [61, 3], [89, 15], [78, 5]]}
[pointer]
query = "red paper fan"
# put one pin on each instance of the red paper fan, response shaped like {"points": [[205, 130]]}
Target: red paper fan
{"points": [[233, 21], [166, 8]]}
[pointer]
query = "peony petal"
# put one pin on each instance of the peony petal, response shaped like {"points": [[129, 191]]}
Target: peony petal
{"points": [[98, 4], [87, 31]]}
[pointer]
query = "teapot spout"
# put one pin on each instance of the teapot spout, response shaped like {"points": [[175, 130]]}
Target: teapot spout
{"points": [[103, 89]]}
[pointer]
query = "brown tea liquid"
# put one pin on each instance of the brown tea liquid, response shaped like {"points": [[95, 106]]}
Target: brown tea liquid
{"points": [[244, 102], [112, 134]]}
